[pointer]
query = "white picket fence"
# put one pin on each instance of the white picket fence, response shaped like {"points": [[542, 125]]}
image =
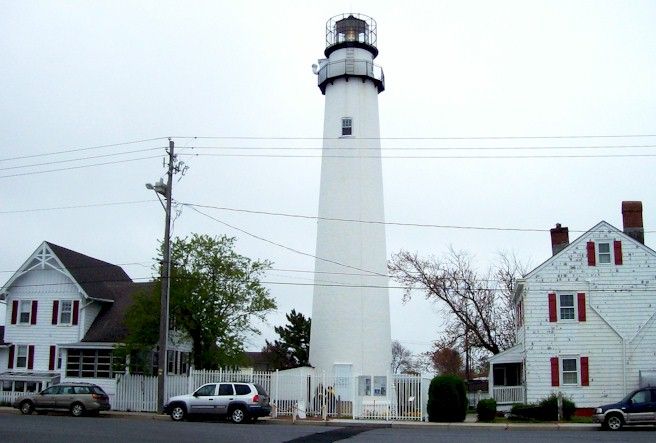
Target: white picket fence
{"points": [[291, 392]]}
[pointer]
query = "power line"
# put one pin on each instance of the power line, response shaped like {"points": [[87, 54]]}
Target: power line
{"points": [[32, 165], [374, 273], [89, 205], [410, 148], [428, 157], [287, 283], [66, 151], [80, 167], [110, 145], [376, 222], [528, 137]]}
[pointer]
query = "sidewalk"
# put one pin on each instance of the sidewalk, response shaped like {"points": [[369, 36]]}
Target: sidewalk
{"points": [[470, 422]]}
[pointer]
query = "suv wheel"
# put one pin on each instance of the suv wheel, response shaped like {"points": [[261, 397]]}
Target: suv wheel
{"points": [[177, 413], [238, 415], [614, 422], [26, 408], [77, 409]]}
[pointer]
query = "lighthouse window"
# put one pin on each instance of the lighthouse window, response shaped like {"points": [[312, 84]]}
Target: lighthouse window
{"points": [[347, 126]]}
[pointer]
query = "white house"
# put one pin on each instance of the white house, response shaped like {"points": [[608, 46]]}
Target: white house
{"points": [[586, 319], [64, 319]]}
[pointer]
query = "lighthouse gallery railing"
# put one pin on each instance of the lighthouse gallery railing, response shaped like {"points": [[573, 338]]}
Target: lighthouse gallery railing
{"points": [[360, 68]]}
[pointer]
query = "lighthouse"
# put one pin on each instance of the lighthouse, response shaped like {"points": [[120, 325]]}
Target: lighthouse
{"points": [[350, 334]]}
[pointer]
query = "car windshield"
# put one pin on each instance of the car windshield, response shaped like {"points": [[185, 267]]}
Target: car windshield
{"points": [[97, 390]]}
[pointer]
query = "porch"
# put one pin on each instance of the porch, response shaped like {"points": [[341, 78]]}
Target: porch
{"points": [[506, 381]]}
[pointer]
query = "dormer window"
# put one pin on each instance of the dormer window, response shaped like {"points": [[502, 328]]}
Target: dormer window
{"points": [[347, 126], [604, 253]]}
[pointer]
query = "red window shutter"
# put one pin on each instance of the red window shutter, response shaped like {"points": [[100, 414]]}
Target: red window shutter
{"points": [[553, 315], [585, 379], [555, 376], [581, 305], [617, 246], [30, 357], [592, 259], [76, 313], [10, 362], [35, 305], [51, 361], [14, 312], [55, 312]]}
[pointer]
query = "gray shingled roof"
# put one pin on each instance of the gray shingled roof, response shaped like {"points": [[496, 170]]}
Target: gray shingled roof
{"points": [[93, 275], [109, 325]]}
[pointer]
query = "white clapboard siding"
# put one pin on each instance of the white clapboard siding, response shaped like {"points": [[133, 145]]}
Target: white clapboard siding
{"points": [[620, 308]]}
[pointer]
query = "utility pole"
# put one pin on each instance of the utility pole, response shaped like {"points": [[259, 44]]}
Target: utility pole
{"points": [[167, 192]]}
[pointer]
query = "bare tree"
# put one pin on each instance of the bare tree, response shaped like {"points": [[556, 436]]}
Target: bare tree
{"points": [[478, 308], [447, 361], [401, 358]]}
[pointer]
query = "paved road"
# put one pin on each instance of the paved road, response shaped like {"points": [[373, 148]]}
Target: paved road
{"points": [[65, 429]]}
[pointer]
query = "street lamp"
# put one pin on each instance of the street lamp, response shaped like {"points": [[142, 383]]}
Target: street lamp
{"points": [[164, 190]]}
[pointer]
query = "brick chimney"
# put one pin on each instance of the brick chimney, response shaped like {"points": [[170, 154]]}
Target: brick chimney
{"points": [[559, 238], [632, 219]]}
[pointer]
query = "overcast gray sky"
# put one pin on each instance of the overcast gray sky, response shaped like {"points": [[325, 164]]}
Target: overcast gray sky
{"points": [[79, 74]]}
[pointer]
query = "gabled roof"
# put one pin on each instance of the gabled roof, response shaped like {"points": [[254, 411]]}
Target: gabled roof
{"points": [[599, 226], [93, 275], [510, 355], [109, 325]]}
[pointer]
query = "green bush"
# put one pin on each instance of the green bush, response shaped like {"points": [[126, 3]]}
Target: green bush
{"points": [[550, 408], [447, 399], [486, 409], [545, 410]]}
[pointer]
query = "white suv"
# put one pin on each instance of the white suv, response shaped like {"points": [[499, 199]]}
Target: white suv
{"points": [[238, 401]]}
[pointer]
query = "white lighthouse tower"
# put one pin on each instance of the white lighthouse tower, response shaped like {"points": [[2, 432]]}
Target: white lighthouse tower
{"points": [[350, 333]]}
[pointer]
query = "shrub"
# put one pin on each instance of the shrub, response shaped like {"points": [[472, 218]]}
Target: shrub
{"points": [[550, 408], [545, 410], [486, 409], [447, 399]]}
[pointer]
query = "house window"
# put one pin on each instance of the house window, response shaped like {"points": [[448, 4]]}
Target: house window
{"points": [[21, 356], [66, 312], [170, 362], [25, 311], [59, 358], [566, 306], [604, 253], [519, 313], [347, 126], [93, 363], [570, 371], [184, 359]]}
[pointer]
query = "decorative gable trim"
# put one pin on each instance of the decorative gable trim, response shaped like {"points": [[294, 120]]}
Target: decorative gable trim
{"points": [[42, 258]]}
